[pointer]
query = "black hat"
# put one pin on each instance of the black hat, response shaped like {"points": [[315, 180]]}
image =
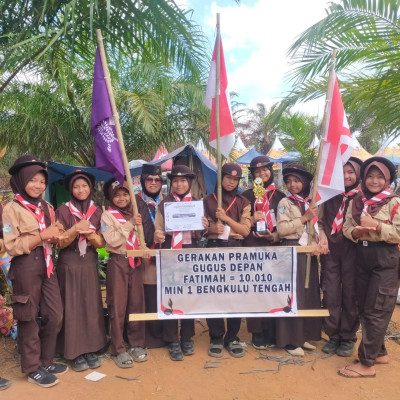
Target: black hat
{"points": [[390, 166], [232, 169], [260, 161], [25, 161], [151, 169], [296, 169], [182, 171], [90, 177]]}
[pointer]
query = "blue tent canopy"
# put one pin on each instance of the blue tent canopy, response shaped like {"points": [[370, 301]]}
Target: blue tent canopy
{"points": [[247, 157], [58, 171], [394, 159], [289, 156]]}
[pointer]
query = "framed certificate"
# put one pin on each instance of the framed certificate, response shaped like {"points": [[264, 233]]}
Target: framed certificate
{"points": [[183, 216]]}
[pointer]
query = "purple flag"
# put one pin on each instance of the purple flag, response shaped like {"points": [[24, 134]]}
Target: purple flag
{"points": [[102, 126]]}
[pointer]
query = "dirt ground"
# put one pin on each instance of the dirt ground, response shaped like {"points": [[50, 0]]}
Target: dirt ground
{"points": [[160, 378]]}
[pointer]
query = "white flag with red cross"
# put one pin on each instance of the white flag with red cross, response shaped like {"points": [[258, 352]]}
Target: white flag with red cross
{"points": [[337, 148]]}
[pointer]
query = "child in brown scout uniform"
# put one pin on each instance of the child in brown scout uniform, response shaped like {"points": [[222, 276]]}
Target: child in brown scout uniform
{"points": [[373, 223], [4, 383], [29, 232], [124, 282], [236, 220], [148, 201], [338, 270], [294, 212], [83, 331], [263, 329], [181, 178]]}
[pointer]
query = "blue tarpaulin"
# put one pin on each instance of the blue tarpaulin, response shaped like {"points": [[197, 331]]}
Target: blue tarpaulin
{"points": [[247, 157], [57, 171]]}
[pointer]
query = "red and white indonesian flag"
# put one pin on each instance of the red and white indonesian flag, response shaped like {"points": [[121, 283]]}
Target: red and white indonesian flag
{"points": [[337, 149], [226, 128]]}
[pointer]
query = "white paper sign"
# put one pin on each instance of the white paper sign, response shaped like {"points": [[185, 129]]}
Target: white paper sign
{"points": [[183, 216]]}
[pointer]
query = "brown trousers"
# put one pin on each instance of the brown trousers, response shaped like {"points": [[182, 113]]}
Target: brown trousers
{"points": [[338, 281], [125, 295], [376, 290], [33, 291]]}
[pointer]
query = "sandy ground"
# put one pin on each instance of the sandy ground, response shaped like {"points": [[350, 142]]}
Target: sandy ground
{"points": [[160, 378]]}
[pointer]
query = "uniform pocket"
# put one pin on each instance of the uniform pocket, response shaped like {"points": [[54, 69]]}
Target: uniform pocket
{"points": [[386, 299], [23, 309]]}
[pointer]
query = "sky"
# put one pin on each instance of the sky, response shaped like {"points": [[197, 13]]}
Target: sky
{"points": [[256, 36]]}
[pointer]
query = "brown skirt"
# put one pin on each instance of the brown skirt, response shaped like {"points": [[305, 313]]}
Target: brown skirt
{"points": [[297, 330], [83, 329]]}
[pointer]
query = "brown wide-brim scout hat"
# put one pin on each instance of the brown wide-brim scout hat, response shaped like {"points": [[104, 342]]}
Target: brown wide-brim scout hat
{"points": [[296, 169], [390, 166], [181, 171], [90, 177], [260, 161], [25, 161], [232, 169]]}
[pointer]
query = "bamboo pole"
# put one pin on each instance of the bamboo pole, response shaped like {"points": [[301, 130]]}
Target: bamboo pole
{"points": [[300, 313], [153, 252], [321, 146], [217, 89], [107, 78]]}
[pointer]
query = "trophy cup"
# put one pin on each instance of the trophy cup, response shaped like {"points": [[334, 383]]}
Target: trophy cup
{"points": [[259, 191]]}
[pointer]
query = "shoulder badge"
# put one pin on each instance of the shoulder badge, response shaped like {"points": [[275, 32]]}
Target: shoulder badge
{"points": [[7, 228], [281, 209], [103, 228]]}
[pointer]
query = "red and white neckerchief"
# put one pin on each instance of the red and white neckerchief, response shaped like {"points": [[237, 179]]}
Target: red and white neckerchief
{"points": [[306, 202], [338, 221], [82, 244], [265, 206], [376, 199], [38, 213], [177, 237], [132, 243]]}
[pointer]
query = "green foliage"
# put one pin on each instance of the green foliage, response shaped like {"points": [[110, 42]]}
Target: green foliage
{"points": [[366, 34], [156, 60]]}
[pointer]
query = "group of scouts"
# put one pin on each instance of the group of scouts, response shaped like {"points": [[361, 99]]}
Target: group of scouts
{"points": [[356, 235]]}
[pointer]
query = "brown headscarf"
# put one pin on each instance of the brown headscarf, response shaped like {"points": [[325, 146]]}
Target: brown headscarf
{"points": [[66, 218], [127, 212], [19, 181], [373, 209], [235, 209]]}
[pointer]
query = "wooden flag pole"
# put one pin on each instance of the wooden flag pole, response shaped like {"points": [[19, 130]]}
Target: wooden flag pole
{"points": [[321, 146], [107, 78], [217, 87]]}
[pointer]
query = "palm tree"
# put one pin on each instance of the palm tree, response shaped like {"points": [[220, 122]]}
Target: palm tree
{"points": [[33, 32], [156, 60], [51, 118], [366, 34]]}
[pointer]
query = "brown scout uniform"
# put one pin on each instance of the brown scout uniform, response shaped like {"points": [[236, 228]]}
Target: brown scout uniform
{"points": [[31, 289], [297, 330], [338, 274], [154, 329], [259, 325], [83, 329], [239, 210], [377, 284], [125, 293], [170, 327]]}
